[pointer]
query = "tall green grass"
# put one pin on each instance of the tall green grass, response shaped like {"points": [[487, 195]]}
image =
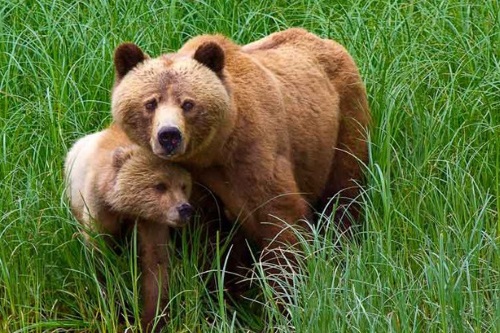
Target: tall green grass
{"points": [[429, 259]]}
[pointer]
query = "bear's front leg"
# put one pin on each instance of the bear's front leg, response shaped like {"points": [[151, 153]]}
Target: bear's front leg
{"points": [[154, 259], [273, 213], [266, 201]]}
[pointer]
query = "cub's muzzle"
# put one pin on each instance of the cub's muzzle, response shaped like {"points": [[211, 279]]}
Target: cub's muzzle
{"points": [[185, 211]]}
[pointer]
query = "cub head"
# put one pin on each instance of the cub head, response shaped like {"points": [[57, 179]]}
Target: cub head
{"points": [[150, 188], [173, 105]]}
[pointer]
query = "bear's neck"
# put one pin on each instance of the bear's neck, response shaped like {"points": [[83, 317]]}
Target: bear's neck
{"points": [[217, 151]]}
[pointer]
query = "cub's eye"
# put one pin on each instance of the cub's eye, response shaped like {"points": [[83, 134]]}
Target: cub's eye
{"points": [[151, 105], [160, 187], [187, 106], [184, 187]]}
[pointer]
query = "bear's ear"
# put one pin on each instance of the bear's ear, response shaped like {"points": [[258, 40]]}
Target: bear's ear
{"points": [[211, 55], [120, 156], [127, 56]]}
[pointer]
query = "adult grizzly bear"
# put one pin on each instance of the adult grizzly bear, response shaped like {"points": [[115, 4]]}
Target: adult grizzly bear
{"points": [[273, 127]]}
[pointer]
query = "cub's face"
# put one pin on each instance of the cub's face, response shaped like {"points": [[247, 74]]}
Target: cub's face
{"points": [[173, 105], [149, 188]]}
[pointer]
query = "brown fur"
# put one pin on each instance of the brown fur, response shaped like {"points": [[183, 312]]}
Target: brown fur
{"points": [[222, 236], [278, 125], [112, 184]]}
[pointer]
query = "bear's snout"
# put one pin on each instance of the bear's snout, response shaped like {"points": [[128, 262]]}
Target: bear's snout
{"points": [[185, 211], [170, 139]]}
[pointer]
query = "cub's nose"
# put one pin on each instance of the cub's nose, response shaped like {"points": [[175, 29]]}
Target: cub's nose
{"points": [[170, 139], [185, 211]]}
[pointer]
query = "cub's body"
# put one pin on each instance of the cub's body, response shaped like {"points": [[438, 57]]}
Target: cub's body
{"points": [[90, 175], [113, 184]]}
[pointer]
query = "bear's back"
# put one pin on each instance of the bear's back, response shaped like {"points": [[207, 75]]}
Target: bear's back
{"points": [[324, 98], [78, 170]]}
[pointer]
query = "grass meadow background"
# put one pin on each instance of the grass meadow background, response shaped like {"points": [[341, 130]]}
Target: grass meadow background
{"points": [[429, 259]]}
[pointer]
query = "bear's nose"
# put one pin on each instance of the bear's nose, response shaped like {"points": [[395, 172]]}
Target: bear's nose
{"points": [[185, 211], [169, 138]]}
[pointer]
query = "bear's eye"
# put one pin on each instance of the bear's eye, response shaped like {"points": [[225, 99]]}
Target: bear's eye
{"points": [[151, 105], [187, 106], [160, 187], [184, 187]]}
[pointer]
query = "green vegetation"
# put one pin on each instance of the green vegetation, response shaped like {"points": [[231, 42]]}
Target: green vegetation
{"points": [[429, 259]]}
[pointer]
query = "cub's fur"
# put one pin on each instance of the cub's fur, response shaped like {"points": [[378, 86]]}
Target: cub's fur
{"points": [[112, 184]]}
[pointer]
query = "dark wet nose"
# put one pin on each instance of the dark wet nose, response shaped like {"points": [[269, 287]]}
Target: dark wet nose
{"points": [[185, 211], [170, 139]]}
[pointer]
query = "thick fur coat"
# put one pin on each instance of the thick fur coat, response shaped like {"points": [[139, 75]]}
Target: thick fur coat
{"points": [[113, 184], [274, 127]]}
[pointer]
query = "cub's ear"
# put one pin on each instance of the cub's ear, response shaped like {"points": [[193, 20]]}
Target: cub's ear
{"points": [[127, 56], [211, 55], [120, 156]]}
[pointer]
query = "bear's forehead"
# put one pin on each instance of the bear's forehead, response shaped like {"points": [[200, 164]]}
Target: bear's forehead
{"points": [[170, 69], [169, 76], [169, 64]]}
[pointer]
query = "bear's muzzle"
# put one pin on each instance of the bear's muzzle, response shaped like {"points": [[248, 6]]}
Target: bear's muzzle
{"points": [[185, 211], [170, 139]]}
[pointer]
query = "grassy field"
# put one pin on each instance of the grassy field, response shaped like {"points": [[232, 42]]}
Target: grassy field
{"points": [[429, 260]]}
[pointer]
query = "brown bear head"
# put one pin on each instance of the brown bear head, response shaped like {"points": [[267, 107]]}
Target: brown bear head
{"points": [[175, 104], [147, 187]]}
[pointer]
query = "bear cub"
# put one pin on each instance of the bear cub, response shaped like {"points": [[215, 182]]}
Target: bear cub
{"points": [[112, 184], [109, 178]]}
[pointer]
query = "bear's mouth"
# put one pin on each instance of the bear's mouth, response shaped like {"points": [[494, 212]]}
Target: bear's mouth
{"points": [[168, 151], [180, 215], [162, 154]]}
